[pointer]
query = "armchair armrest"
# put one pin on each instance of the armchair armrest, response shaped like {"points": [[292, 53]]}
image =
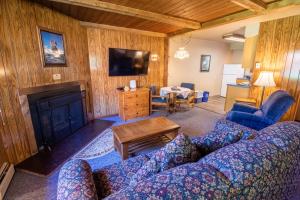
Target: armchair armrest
{"points": [[249, 120], [244, 108], [76, 181]]}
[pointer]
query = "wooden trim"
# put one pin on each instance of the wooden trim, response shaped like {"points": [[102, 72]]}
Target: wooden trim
{"points": [[166, 51], [123, 10], [117, 28], [253, 5], [44, 88], [248, 14]]}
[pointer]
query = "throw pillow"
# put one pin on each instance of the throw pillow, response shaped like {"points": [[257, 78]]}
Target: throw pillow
{"points": [[177, 152], [216, 140]]}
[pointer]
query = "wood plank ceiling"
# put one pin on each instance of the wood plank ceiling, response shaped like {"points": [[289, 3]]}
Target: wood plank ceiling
{"points": [[200, 11]]}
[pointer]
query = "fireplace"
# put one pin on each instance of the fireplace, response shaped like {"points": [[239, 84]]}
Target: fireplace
{"points": [[56, 114]]}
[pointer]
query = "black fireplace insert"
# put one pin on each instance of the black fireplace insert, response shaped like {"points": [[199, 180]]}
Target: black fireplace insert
{"points": [[56, 114]]}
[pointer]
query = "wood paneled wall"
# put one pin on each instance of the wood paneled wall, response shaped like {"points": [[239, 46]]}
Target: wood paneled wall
{"points": [[21, 67], [278, 50], [105, 100]]}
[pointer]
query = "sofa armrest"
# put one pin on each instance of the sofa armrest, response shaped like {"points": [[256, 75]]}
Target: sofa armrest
{"points": [[249, 120], [243, 108], [76, 182]]}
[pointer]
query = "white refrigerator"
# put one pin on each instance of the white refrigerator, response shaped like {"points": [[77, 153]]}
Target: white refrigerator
{"points": [[230, 73]]}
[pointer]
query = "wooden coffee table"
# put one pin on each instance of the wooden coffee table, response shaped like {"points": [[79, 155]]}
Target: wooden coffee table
{"points": [[129, 138]]}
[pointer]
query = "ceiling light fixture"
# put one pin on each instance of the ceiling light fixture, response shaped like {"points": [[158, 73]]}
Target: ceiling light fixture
{"points": [[181, 53], [234, 37]]}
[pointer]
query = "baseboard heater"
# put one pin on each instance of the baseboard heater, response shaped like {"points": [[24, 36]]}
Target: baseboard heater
{"points": [[6, 174]]}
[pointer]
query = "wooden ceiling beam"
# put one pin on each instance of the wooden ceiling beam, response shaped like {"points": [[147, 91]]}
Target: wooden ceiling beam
{"points": [[271, 7], [124, 10], [130, 30], [253, 5]]}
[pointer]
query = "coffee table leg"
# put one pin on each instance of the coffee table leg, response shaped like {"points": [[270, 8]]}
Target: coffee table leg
{"points": [[124, 151]]}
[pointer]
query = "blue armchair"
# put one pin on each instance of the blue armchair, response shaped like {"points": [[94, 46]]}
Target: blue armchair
{"points": [[258, 118]]}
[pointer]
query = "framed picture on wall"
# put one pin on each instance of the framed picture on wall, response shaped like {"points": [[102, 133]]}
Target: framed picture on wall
{"points": [[205, 63], [52, 48]]}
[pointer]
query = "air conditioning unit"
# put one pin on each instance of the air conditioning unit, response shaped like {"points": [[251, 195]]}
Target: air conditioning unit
{"points": [[6, 174]]}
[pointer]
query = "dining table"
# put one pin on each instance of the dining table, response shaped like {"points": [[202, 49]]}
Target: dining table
{"points": [[173, 92], [178, 91]]}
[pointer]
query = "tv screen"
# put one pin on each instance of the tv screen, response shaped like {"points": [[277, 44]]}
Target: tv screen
{"points": [[125, 62]]}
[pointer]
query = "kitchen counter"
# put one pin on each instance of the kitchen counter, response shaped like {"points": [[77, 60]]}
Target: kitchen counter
{"points": [[239, 85], [235, 91]]}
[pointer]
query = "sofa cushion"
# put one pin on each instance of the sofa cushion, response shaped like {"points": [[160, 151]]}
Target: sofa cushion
{"points": [[224, 125], [112, 178], [188, 181], [224, 133], [175, 153], [215, 140], [263, 168]]}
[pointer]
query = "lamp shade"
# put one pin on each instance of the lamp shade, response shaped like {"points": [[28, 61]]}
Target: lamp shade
{"points": [[265, 79]]}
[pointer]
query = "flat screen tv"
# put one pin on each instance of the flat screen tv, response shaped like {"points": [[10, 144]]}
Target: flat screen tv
{"points": [[125, 62]]}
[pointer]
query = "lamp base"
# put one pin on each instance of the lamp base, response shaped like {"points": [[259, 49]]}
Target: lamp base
{"points": [[262, 96]]}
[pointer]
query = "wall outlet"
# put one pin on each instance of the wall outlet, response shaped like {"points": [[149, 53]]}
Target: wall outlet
{"points": [[56, 77], [257, 65]]}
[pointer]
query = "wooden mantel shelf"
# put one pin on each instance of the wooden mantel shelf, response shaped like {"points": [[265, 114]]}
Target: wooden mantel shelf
{"points": [[44, 88]]}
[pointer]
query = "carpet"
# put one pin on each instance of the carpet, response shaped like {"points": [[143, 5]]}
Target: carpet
{"points": [[194, 122], [100, 146], [215, 104]]}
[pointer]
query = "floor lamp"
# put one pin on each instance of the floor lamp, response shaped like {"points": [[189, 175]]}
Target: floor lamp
{"points": [[265, 79]]}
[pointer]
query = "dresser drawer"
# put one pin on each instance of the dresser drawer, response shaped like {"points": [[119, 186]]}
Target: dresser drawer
{"points": [[130, 96], [130, 116], [142, 104], [131, 103], [142, 94], [143, 113], [134, 104]]}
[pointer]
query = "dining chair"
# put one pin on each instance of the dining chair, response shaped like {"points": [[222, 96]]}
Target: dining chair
{"points": [[158, 101], [190, 99], [190, 86]]}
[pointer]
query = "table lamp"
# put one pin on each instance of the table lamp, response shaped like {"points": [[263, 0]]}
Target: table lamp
{"points": [[265, 79]]}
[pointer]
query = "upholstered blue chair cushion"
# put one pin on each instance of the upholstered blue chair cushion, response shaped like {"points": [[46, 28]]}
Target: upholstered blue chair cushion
{"points": [[159, 100], [276, 105], [175, 153]]}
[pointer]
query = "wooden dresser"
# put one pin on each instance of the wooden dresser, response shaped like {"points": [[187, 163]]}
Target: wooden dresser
{"points": [[133, 104]]}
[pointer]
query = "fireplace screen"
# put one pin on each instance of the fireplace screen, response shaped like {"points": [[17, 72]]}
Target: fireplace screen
{"points": [[56, 115]]}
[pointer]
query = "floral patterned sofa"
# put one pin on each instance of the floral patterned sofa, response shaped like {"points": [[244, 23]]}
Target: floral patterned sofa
{"points": [[260, 165]]}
